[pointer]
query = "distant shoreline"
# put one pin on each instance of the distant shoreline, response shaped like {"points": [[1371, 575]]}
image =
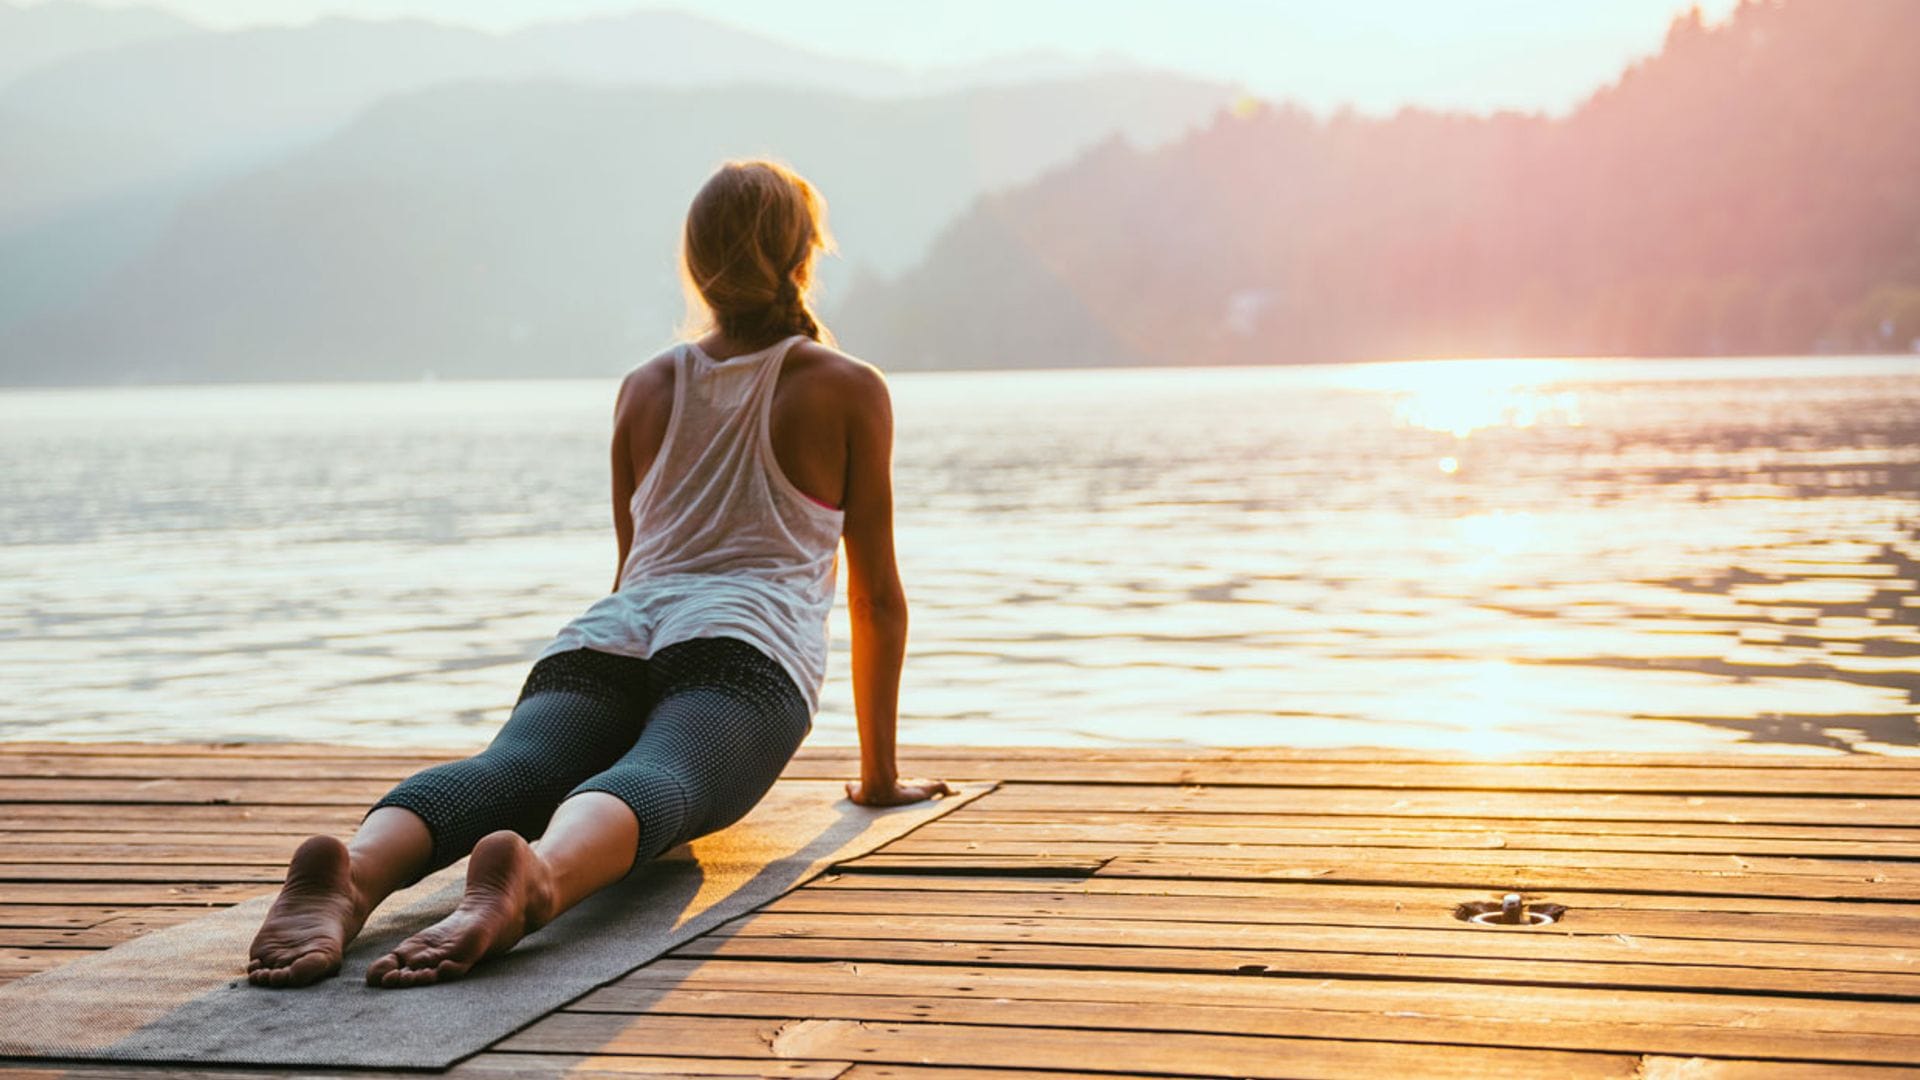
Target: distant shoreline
{"points": [[434, 378]]}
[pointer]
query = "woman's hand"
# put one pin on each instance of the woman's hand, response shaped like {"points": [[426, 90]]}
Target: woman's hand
{"points": [[898, 793]]}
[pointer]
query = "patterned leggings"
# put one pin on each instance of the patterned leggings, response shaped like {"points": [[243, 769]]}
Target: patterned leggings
{"points": [[690, 738]]}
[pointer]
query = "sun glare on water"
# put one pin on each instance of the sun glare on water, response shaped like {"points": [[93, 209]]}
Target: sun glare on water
{"points": [[1461, 397]]}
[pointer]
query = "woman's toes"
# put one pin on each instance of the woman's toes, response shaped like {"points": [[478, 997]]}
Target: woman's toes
{"points": [[379, 969], [310, 967], [396, 976], [421, 969]]}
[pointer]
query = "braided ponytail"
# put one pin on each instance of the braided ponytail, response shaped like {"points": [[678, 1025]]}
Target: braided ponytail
{"points": [[790, 305], [747, 254]]}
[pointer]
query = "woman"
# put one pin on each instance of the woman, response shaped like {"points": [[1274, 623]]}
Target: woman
{"points": [[668, 708]]}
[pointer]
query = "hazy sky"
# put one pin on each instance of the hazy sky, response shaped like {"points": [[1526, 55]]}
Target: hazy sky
{"points": [[1376, 54]]}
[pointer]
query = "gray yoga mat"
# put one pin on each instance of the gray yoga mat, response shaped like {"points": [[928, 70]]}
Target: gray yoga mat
{"points": [[180, 994]]}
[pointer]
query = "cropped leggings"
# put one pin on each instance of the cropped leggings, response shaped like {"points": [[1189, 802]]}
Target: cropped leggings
{"points": [[690, 738]]}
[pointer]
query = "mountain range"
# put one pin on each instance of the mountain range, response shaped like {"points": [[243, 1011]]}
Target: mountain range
{"points": [[368, 198], [382, 199]]}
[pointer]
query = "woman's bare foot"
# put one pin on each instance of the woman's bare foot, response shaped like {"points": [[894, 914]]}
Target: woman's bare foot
{"points": [[308, 927], [509, 895]]}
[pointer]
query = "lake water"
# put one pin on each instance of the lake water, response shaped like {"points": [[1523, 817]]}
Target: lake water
{"points": [[1480, 556]]}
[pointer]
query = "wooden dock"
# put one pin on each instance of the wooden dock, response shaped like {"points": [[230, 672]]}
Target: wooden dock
{"points": [[1232, 913]]}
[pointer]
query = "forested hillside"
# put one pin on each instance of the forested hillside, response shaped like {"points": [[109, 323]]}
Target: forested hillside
{"points": [[1753, 188]]}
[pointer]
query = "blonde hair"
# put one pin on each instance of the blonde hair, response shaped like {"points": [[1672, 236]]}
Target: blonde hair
{"points": [[746, 255]]}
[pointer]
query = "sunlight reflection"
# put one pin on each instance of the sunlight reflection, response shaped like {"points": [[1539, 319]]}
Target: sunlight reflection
{"points": [[1486, 543], [1488, 704], [1465, 396], [1502, 532], [1464, 410]]}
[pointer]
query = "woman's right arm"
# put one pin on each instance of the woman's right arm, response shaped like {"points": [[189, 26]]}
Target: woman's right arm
{"points": [[876, 604], [640, 416], [625, 408]]}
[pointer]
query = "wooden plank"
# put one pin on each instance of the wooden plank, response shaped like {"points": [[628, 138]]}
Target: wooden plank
{"points": [[1852, 862], [1050, 866], [1875, 885], [975, 813], [1426, 1020], [1781, 810], [18, 963], [1652, 1068], [131, 817], [49, 938], [43, 916], [124, 894], [138, 872], [1720, 779], [1599, 977], [490, 1066], [1336, 893], [958, 830], [1446, 937], [592, 1066], [102, 935], [1006, 1046], [1697, 1068], [275, 852], [48, 840], [163, 790], [924, 1072], [1878, 881], [16, 765], [1740, 755], [239, 751], [1353, 907], [958, 838], [1545, 1005]]}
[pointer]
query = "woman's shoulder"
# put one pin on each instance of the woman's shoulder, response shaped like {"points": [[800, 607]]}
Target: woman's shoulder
{"points": [[649, 380], [658, 365], [833, 369]]}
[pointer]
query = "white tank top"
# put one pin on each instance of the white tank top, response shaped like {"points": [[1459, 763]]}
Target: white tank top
{"points": [[723, 544]]}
